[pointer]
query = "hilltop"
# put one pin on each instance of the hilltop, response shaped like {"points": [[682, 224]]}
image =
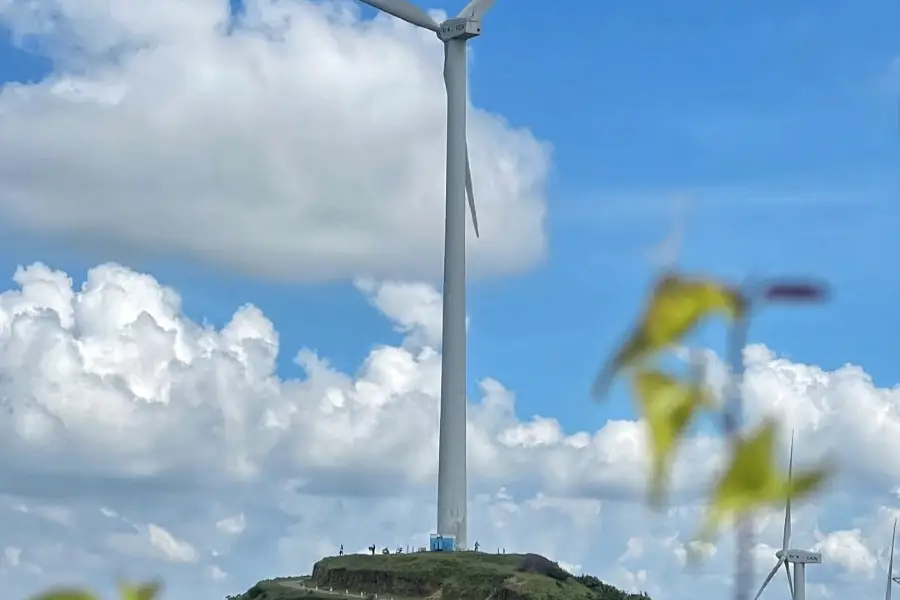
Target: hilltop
{"points": [[437, 576]]}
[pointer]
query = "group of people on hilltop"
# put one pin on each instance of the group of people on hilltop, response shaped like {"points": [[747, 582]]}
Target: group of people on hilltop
{"points": [[400, 549]]}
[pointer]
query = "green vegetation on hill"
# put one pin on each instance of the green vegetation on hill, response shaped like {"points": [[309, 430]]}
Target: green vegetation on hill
{"points": [[438, 576]]}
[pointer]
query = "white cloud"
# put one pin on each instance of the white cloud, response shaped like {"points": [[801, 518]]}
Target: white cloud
{"points": [[634, 549], [170, 547], [234, 525], [297, 142], [848, 549], [12, 555], [57, 514], [161, 439], [153, 541], [414, 307], [692, 550]]}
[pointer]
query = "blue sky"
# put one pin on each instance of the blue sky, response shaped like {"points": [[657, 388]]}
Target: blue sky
{"points": [[779, 121]]}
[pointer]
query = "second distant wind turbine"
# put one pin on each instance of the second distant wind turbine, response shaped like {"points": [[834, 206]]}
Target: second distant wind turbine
{"points": [[454, 33]]}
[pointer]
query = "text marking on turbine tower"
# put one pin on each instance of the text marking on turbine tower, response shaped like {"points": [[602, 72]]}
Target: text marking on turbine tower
{"points": [[454, 33]]}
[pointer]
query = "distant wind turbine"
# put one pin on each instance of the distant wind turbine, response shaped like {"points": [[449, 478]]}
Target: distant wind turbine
{"points": [[890, 569], [454, 33], [787, 556]]}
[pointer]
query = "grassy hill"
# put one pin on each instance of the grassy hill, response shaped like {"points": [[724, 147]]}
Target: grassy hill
{"points": [[437, 576]]}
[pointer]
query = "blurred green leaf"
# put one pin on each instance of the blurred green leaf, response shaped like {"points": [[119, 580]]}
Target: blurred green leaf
{"points": [[753, 480], [677, 306], [143, 591], [668, 406], [65, 594]]}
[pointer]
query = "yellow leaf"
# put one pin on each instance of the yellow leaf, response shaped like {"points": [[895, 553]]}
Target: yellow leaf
{"points": [[677, 306], [753, 480], [143, 591], [668, 406], [65, 594]]}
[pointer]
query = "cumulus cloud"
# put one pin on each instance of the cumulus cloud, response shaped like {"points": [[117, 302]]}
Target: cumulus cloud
{"points": [[848, 549], [414, 307], [100, 384], [234, 525], [11, 555], [132, 433], [293, 140], [153, 541]]}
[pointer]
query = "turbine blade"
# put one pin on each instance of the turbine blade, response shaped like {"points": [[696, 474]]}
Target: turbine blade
{"points": [[475, 9], [887, 591], [470, 193], [665, 255], [787, 572], [406, 11], [769, 578], [787, 508]]}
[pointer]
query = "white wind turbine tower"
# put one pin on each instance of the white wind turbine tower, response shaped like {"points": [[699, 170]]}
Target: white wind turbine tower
{"points": [[454, 33], [786, 556]]}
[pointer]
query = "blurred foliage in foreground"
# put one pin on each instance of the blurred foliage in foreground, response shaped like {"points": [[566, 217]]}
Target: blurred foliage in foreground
{"points": [[127, 591], [669, 403]]}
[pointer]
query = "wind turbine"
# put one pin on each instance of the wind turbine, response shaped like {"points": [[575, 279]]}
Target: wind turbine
{"points": [[454, 33], [786, 556], [890, 570]]}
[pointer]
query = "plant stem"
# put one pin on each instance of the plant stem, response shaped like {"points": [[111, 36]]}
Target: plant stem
{"points": [[734, 410], [752, 297]]}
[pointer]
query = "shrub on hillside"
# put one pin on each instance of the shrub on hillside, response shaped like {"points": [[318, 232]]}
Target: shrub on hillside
{"points": [[535, 563]]}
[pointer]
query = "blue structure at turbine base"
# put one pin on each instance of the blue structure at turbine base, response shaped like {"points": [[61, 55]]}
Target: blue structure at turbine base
{"points": [[442, 543]]}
